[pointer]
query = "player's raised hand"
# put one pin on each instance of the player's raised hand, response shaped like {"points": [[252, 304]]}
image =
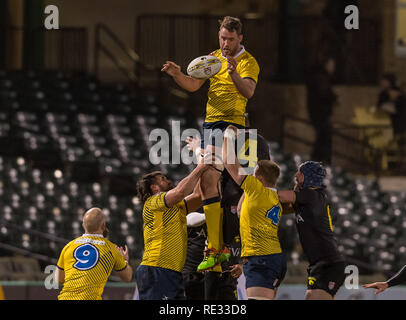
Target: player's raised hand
{"points": [[123, 252], [231, 64], [193, 143], [381, 286], [171, 68]]}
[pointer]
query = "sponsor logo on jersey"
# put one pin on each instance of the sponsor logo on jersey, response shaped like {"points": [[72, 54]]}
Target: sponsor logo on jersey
{"points": [[87, 240]]}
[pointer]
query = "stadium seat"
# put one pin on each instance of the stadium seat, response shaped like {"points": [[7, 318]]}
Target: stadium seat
{"points": [[26, 269], [70, 142]]}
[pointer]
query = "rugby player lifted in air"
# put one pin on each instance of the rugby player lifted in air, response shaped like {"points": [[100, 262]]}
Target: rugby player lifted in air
{"points": [[228, 94]]}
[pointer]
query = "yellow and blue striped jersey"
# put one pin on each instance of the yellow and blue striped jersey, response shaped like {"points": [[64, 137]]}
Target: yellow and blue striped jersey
{"points": [[165, 233], [225, 102], [259, 219], [88, 262]]}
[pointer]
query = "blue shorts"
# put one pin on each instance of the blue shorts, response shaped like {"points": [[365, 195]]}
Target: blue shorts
{"points": [[155, 283], [265, 271], [212, 132]]}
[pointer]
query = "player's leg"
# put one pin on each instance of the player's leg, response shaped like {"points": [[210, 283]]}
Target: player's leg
{"points": [[194, 285], [263, 276], [317, 294], [220, 285], [209, 185], [260, 293], [324, 280], [216, 251]]}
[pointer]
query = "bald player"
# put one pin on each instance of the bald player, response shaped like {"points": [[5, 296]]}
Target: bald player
{"points": [[86, 263]]}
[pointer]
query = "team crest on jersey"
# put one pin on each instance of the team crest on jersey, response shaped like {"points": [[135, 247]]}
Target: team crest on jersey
{"points": [[311, 281], [331, 285]]}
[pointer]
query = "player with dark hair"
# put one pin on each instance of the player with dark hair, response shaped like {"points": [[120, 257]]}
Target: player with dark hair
{"points": [[264, 262], [228, 94], [86, 263], [165, 235], [397, 279], [315, 228]]}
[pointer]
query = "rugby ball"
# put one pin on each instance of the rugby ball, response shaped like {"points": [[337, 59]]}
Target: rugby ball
{"points": [[204, 67]]}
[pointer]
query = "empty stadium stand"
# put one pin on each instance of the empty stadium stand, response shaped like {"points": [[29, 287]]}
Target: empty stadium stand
{"points": [[68, 143]]}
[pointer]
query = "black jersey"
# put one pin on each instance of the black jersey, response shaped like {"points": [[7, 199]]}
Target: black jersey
{"points": [[314, 225], [399, 278], [195, 247]]}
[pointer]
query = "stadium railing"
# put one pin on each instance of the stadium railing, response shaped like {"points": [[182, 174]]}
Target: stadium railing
{"points": [[364, 158], [291, 47]]}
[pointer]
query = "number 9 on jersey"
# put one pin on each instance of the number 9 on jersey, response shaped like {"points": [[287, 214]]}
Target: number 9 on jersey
{"points": [[86, 257]]}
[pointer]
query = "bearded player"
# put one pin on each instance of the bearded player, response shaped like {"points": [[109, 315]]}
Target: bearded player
{"points": [[228, 94]]}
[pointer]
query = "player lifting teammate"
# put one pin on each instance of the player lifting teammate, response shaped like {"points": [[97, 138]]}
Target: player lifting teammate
{"points": [[215, 285], [228, 94], [265, 264], [165, 232]]}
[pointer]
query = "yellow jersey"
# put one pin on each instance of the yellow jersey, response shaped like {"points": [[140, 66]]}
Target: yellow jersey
{"points": [[165, 233], [88, 262], [225, 102], [259, 219]]}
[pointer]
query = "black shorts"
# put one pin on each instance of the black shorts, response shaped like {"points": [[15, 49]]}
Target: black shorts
{"points": [[210, 286], [327, 276], [220, 286], [194, 285], [212, 133]]}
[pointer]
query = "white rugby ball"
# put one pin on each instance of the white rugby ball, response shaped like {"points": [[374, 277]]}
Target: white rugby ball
{"points": [[204, 67]]}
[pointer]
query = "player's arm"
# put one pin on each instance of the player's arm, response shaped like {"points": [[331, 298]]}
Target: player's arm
{"points": [[60, 272], [229, 158], [194, 201], [380, 286], [186, 186], [397, 279], [245, 86], [287, 196], [287, 208], [186, 82], [125, 274], [240, 204], [60, 275]]}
